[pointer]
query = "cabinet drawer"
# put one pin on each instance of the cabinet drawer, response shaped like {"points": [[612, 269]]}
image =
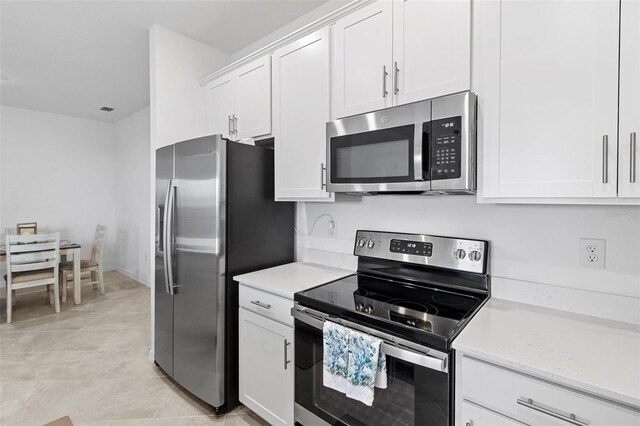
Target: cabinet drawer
{"points": [[500, 389], [266, 304]]}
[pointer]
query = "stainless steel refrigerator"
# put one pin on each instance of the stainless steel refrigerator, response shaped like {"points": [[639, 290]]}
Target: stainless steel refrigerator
{"points": [[215, 218]]}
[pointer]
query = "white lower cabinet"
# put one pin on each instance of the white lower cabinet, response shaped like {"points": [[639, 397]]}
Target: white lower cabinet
{"points": [[490, 394], [266, 367], [474, 415]]}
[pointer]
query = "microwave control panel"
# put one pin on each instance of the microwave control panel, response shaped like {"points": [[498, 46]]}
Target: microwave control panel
{"points": [[446, 144]]}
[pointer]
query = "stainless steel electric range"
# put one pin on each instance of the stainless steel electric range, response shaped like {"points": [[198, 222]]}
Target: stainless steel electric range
{"points": [[416, 293]]}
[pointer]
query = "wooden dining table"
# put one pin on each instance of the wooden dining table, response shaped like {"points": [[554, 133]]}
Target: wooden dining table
{"points": [[67, 248]]}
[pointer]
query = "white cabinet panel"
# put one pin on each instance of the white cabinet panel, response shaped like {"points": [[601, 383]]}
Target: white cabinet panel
{"points": [[220, 106], [473, 415], [266, 367], [253, 99], [431, 48], [301, 109], [558, 99], [629, 177], [363, 60], [546, 117]]}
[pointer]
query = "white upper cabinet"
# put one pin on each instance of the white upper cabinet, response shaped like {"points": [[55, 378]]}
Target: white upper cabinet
{"points": [[629, 178], [239, 103], [300, 112], [431, 49], [363, 60], [546, 76], [393, 52], [220, 99], [253, 99]]}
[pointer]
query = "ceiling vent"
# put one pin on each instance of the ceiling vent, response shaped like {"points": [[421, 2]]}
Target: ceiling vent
{"points": [[107, 109]]}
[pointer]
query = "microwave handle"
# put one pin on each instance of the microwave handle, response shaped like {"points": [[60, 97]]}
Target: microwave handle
{"points": [[418, 155]]}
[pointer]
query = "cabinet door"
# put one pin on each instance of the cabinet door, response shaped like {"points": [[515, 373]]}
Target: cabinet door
{"points": [[431, 48], [557, 71], [266, 367], [253, 99], [629, 176], [220, 106], [300, 112], [362, 49], [469, 414]]}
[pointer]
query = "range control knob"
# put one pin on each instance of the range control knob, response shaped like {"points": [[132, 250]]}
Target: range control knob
{"points": [[361, 242], [370, 244], [459, 254], [359, 306], [368, 309], [475, 256]]}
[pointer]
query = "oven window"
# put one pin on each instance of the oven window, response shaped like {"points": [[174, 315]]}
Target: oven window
{"points": [[377, 156], [415, 395]]}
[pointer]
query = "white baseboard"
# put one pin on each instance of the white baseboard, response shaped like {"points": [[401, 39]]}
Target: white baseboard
{"points": [[131, 275]]}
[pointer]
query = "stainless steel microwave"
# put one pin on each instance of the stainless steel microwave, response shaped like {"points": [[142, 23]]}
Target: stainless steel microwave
{"points": [[426, 147]]}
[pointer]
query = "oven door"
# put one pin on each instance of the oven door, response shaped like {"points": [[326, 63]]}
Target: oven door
{"points": [[419, 391], [381, 151]]}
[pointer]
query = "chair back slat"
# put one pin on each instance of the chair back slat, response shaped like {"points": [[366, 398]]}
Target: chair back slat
{"points": [[32, 252], [33, 247], [33, 266], [32, 257], [99, 240]]}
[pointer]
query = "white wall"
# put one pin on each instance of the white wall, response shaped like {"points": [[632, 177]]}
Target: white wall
{"points": [[178, 102], [58, 170], [533, 248], [131, 233]]}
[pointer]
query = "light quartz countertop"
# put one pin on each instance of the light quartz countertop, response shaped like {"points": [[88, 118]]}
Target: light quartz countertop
{"points": [[598, 356], [285, 280]]}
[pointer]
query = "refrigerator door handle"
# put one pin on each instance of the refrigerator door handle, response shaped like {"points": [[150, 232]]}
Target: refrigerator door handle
{"points": [[168, 236]]}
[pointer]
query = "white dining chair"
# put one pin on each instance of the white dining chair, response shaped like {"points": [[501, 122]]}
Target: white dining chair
{"points": [[32, 260], [92, 267]]}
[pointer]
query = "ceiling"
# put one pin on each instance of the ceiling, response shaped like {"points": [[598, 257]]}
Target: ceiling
{"points": [[73, 57]]}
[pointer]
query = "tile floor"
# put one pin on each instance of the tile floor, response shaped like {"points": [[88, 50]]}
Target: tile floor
{"points": [[91, 363]]}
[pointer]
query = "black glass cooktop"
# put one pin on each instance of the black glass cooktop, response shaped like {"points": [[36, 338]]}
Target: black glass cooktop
{"points": [[423, 314]]}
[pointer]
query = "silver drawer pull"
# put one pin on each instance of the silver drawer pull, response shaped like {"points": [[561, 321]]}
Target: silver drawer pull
{"points": [[632, 157], [605, 159], [262, 305], [571, 418]]}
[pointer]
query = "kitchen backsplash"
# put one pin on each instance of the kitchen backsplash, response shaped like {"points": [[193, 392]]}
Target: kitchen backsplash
{"points": [[534, 249]]}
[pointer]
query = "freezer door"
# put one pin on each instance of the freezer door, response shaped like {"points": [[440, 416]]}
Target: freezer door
{"points": [[199, 324], [163, 329]]}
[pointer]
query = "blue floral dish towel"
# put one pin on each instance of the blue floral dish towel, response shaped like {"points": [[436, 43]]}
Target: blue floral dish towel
{"points": [[352, 363], [335, 356]]}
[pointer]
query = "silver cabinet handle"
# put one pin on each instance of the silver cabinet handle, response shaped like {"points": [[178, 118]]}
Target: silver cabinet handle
{"points": [[384, 81], [632, 157], [323, 170], [230, 125], [286, 361], [605, 159], [235, 124], [571, 418], [396, 76], [262, 305]]}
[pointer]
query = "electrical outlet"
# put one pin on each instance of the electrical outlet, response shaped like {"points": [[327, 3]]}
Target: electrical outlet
{"points": [[333, 229], [592, 253]]}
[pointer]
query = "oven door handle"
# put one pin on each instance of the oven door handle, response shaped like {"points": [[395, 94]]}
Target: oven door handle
{"points": [[392, 348]]}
